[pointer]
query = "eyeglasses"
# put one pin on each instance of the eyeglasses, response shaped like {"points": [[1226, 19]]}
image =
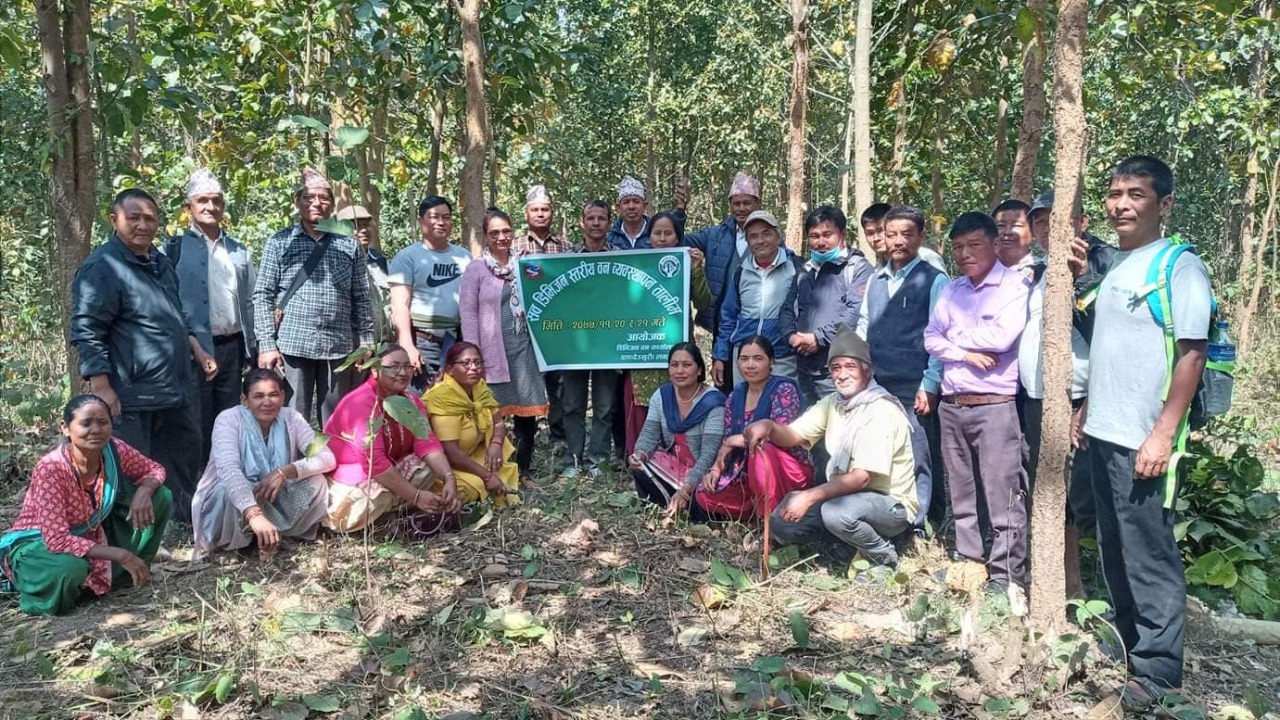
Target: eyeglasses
{"points": [[471, 364], [501, 233], [397, 368]]}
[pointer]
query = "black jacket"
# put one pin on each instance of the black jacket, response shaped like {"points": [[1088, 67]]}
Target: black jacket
{"points": [[127, 324], [1098, 260]]}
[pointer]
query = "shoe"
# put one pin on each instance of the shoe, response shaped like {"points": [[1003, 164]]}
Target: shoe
{"points": [[1140, 695], [996, 587], [571, 472], [876, 576]]}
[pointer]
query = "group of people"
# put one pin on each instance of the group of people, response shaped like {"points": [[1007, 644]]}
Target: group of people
{"points": [[853, 401]]}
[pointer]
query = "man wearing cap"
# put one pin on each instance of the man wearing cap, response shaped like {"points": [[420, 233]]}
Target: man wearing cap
{"points": [[426, 279], [135, 344], [376, 265], [725, 245], [631, 231], [869, 497], [215, 282], [974, 330], [539, 239], [758, 300], [311, 303]]}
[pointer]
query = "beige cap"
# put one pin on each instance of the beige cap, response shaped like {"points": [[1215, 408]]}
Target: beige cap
{"points": [[763, 215], [353, 212]]}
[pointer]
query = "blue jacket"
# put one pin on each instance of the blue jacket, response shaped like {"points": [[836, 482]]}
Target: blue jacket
{"points": [[827, 295], [127, 324], [619, 241], [720, 245], [189, 252], [759, 304]]}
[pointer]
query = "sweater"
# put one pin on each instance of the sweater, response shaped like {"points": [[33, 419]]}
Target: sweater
{"points": [[480, 304], [704, 440]]}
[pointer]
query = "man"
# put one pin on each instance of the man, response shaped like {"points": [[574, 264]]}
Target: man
{"points": [[873, 222], [311, 303], [869, 497], [759, 300], [376, 265], [900, 296], [540, 240], [974, 330], [603, 384], [631, 231], [725, 245], [1135, 408], [829, 291], [215, 281], [1016, 247], [1080, 512], [425, 280], [135, 346]]}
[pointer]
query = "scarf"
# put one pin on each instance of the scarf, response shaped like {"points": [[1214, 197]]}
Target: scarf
{"points": [[850, 411], [506, 272], [449, 398], [110, 483], [710, 400], [259, 457]]}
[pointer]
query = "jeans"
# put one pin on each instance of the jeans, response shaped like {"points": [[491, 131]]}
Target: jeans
{"points": [[865, 521], [603, 386]]}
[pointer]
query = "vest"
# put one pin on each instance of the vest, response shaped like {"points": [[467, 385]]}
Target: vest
{"points": [[895, 330]]}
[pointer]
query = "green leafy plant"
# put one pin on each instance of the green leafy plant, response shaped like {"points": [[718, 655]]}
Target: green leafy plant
{"points": [[1226, 533]]}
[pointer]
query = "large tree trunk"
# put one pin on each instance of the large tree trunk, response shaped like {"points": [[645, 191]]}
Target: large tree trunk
{"points": [[437, 136], [898, 194], [371, 158], [1002, 142], [1033, 108], [863, 189], [64, 53], [1269, 221], [476, 131], [935, 169], [1250, 257], [1048, 583], [799, 105], [846, 174]]}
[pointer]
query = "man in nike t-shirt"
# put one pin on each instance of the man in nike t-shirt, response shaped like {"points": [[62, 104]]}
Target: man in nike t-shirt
{"points": [[424, 280]]}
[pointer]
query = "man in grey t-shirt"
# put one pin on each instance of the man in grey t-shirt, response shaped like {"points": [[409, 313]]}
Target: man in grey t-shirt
{"points": [[1130, 425], [425, 279]]}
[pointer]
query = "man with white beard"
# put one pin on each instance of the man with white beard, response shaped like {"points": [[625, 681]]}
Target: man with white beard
{"points": [[870, 494]]}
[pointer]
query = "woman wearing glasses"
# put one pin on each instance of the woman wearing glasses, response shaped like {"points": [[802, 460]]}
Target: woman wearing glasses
{"points": [[394, 470], [466, 417], [493, 318]]}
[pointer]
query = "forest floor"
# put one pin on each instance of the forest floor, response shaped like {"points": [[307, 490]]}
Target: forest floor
{"points": [[577, 604]]}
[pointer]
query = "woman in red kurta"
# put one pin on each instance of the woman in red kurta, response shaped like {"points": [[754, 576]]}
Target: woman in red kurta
{"points": [[394, 468], [86, 522]]}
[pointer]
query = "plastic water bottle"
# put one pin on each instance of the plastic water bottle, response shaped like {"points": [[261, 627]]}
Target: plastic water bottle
{"points": [[1222, 349]]}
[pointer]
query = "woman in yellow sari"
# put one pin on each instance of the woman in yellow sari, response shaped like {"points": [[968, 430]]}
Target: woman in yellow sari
{"points": [[465, 418]]}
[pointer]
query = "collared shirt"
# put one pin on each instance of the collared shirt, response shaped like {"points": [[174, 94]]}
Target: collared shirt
{"points": [[932, 380], [633, 239], [987, 318], [329, 315], [529, 244], [741, 243], [224, 301], [582, 248]]}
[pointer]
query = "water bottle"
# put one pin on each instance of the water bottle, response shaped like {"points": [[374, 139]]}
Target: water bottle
{"points": [[1222, 349]]}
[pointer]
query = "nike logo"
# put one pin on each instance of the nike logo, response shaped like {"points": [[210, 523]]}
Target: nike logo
{"points": [[438, 281]]}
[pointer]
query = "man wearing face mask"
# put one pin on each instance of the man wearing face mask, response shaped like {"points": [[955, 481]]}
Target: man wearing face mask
{"points": [[870, 494], [829, 291]]}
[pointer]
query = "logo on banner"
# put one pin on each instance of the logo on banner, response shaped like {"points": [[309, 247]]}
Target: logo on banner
{"points": [[669, 266]]}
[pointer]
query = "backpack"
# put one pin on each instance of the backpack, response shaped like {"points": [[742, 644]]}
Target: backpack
{"points": [[1213, 393]]}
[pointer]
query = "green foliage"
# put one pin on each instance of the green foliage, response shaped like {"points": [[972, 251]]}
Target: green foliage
{"points": [[1227, 532], [406, 412]]}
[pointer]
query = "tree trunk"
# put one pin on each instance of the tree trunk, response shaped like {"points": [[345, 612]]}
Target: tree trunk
{"points": [[899, 91], [64, 53], [846, 173], [1033, 108], [437, 135], [799, 105], [650, 116], [1002, 142], [1269, 219], [476, 130], [935, 174], [1250, 257], [863, 188], [1048, 583]]}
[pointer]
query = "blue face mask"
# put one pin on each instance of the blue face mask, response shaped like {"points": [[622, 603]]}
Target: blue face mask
{"points": [[825, 257]]}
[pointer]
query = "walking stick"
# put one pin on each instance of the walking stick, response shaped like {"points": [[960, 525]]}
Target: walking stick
{"points": [[762, 501]]}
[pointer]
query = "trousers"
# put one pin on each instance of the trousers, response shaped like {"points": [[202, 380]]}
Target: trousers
{"points": [[171, 437], [316, 385], [865, 521]]}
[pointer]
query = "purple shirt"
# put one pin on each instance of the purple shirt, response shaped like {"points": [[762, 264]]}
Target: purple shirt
{"points": [[988, 319]]}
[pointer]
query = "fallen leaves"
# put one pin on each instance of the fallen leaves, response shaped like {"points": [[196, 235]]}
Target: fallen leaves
{"points": [[708, 597]]}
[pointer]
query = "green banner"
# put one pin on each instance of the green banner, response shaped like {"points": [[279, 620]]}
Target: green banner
{"points": [[606, 310]]}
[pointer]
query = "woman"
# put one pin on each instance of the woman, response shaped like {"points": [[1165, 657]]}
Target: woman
{"points": [[258, 475], [466, 418], [664, 233], [493, 318], [396, 469], [92, 518], [737, 487], [682, 433]]}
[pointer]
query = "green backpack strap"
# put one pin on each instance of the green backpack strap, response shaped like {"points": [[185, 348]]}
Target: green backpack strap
{"points": [[1160, 302]]}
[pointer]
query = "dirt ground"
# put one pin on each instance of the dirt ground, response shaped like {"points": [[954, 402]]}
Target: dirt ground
{"points": [[577, 604]]}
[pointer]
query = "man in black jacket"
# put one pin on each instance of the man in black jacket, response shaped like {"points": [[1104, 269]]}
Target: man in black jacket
{"points": [[135, 345]]}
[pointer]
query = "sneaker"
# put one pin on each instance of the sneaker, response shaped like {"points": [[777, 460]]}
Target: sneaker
{"points": [[571, 472], [876, 576]]}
